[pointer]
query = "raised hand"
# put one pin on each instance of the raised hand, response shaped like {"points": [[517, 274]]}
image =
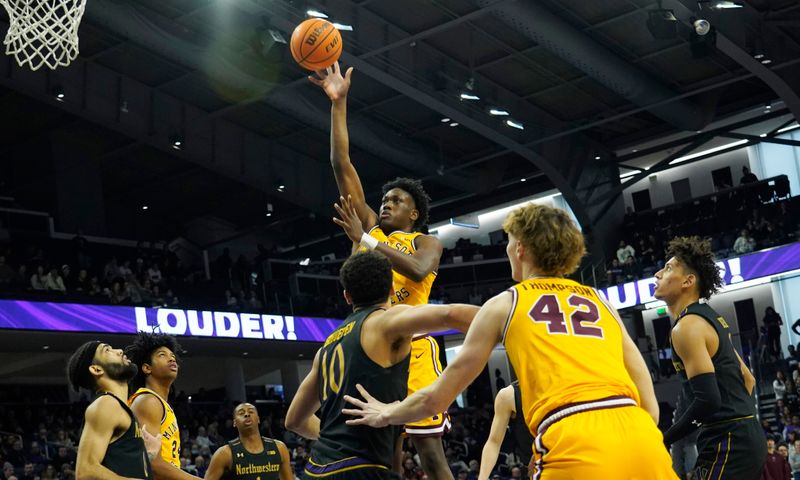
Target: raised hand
{"points": [[332, 82], [369, 412], [348, 219]]}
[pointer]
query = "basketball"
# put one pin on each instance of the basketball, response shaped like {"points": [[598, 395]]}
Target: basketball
{"points": [[316, 44]]}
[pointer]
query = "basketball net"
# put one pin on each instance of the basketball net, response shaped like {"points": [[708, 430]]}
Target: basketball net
{"points": [[43, 32]]}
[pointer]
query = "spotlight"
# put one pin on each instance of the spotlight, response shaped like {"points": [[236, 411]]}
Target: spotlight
{"points": [[662, 24], [269, 209], [523, 179], [279, 185], [145, 207], [58, 92], [453, 124], [701, 26], [315, 14], [176, 140], [766, 61], [445, 119]]}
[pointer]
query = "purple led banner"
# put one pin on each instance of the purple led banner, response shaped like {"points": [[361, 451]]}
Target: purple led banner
{"points": [[734, 270], [71, 317]]}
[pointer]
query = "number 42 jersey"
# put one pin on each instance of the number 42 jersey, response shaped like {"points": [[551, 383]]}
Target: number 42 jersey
{"points": [[565, 345], [342, 364]]}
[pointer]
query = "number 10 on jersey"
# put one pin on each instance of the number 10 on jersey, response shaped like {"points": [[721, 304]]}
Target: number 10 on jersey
{"points": [[333, 372]]}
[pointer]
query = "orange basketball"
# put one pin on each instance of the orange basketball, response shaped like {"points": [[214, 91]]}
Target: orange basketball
{"points": [[316, 44]]}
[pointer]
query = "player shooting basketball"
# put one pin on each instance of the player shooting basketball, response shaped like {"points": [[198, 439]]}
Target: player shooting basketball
{"points": [[414, 257]]}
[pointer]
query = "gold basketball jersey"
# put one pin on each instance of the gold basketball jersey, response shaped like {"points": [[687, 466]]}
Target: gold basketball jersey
{"points": [[565, 346], [406, 291], [170, 433]]}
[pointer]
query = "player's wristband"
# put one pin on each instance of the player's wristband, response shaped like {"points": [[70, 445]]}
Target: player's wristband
{"points": [[368, 241]]}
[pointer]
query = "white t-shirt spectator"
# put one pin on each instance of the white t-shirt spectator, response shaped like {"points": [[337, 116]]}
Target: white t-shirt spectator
{"points": [[37, 281], [779, 388], [794, 459], [53, 281], [744, 244], [624, 253]]}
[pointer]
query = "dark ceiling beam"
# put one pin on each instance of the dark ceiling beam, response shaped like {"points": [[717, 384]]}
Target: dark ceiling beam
{"points": [[783, 125], [758, 139], [713, 132], [615, 73], [434, 30]]}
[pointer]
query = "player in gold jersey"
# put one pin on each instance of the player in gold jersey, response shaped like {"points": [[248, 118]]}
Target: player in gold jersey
{"points": [[156, 355], [414, 257], [587, 396]]}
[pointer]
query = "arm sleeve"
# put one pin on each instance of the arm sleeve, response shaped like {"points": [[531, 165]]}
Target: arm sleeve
{"points": [[706, 401]]}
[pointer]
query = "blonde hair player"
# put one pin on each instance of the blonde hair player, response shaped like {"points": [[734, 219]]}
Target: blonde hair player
{"points": [[586, 392], [414, 257]]}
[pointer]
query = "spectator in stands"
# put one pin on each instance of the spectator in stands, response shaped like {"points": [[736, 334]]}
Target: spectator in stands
{"points": [[614, 273], [747, 176], [776, 466], [35, 456], [82, 282], [779, 386], [154, 273], [7, 273], [54, 282], [94, 286], [792, 427], [744, 243], [772, 320], [8, 471], [111, 270], [29, 472], [230, 300], [63, 440], [410, 469], [64, 457], [625, 253], [201, 441], [794, 460], [253, 303], [16, 456], [38, 279], [49, 473], [200, 466], [516, 473], [170, 299]]}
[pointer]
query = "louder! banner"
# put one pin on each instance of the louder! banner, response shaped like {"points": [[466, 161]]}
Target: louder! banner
{"points": [[73, 317]]}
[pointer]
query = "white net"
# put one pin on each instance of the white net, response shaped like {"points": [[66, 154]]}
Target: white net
{"points": [[43, 32]]}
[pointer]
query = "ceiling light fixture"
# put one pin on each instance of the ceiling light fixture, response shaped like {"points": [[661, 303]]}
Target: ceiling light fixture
{"points": [[498, 112], [662, 24], [445, 119], [315, 14], [342, 27], [515, 124], [469, 96], [454, 124]]}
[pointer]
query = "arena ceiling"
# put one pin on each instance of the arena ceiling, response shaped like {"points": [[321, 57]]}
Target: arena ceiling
{"points": [[584, 79]]}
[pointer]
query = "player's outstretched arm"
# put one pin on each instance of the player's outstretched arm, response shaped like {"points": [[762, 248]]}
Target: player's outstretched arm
{"points": [[503, 406], [483, 335], [405, 321], [689, 339], [336, 87], [97, 433], [285, 473], [220, 463], [416, 267], [300, 417], [149, 411]]}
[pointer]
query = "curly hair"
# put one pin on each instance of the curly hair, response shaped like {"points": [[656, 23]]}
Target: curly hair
{"points": [[421, 199], [367, 277], [695, 253], [551, 238], [141, 352]]}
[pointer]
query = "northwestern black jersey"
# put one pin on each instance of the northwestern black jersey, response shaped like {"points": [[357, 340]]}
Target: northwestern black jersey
{"points": [[265, 465], [523, 440], [736, 402], [343, 364], [126, 456]]}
